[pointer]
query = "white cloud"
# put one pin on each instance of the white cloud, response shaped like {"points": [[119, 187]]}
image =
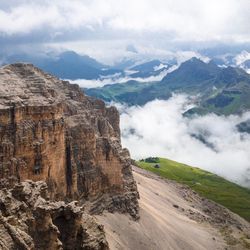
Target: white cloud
{"points": [[105, 81], [179, 56], [182, 56], [111, 52], [116, 78], [161, 66], [194, 19], [242, 57], [185, 20], [159, 129], [27, 16]]}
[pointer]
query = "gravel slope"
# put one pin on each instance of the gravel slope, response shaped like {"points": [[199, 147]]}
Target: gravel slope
{"points": [[172, 216]]}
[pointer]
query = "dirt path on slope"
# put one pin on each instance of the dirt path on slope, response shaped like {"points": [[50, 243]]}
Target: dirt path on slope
{"points": [[172, 216]]}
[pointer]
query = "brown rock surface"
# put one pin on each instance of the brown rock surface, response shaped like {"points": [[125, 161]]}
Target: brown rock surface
{"points": [[29, 221], [173, 216], [49, 130]]}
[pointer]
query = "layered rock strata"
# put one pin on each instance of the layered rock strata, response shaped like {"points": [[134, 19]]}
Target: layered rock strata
{"points": [[50, 131]]}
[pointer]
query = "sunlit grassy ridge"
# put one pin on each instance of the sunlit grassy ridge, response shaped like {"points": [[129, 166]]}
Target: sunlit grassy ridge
{"points": [[211, 186]]}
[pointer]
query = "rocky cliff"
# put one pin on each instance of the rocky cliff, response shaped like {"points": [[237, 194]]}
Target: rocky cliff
{"points": [[28, 220], [50, 131]]}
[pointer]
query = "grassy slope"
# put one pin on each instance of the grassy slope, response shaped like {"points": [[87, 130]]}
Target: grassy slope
{"points": [[231, 95], [115, 91], [211, 186], [241, 100]]}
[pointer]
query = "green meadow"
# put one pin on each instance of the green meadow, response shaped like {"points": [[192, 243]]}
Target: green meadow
{"points": [[208, 185]]}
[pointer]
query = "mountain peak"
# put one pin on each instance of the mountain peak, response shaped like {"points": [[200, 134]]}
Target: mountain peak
{"points": [[195, 59], [18, 65], [69, 53], [193, 71], [198, 61]]}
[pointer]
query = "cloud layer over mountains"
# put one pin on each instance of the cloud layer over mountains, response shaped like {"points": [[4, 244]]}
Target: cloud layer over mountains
{"points": [[211, 142]]}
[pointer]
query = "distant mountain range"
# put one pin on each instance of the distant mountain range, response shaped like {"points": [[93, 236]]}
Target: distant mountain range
{"points": [[72, 66], [221, 90], [67, 65]]}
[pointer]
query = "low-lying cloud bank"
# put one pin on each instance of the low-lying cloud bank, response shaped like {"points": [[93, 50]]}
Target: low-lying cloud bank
{"points": [[210, 142], [117, 78], [179, 57]]}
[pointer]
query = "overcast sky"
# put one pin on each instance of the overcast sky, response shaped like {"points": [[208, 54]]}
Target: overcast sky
{"points": [[80, 23]]}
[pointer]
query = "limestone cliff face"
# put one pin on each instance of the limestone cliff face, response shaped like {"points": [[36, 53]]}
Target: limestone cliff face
{"points": [[51, 131], [32, 143]]}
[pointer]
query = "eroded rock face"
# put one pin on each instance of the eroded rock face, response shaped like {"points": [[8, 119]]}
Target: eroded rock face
{"points": [[50, 131], [28, 220], [32, 142]]}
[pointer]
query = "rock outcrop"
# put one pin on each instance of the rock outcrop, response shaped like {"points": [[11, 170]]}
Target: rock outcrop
{"points": [[28, 220], [50, 131]]}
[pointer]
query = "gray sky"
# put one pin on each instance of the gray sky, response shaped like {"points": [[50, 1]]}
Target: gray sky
{"points": [[157, 23]]}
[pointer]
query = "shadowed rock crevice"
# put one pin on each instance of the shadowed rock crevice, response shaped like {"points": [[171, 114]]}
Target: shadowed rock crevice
{"points": [[29, 221], [68, 168]]}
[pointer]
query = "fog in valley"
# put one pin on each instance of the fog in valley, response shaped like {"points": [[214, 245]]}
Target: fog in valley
{"points": [[210, 142]]}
